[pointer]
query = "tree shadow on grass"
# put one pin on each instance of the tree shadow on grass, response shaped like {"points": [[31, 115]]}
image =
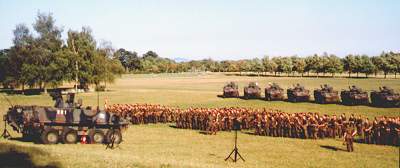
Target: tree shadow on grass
{"points": [[11, 157], [331, 148]]}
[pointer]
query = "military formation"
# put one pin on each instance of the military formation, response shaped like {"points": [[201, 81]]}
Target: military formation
{"points": [[267, 122], [385, 97]]}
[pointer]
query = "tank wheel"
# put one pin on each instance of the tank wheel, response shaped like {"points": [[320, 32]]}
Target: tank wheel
{"points": [[96, 136], [49, 136], [114, 135], [69, 136]]}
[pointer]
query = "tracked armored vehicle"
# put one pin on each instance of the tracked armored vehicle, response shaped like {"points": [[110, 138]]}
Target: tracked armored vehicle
{"points": [[298, 94], [65, 122], [230, 90], [252, 91], [326, 95], [354, 96], [274, 92], [385, 97]]}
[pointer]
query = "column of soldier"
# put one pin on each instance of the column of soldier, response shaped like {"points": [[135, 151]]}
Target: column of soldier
{"points": [[380, 130]]}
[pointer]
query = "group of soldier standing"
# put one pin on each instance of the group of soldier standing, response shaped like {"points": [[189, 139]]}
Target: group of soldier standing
{"points": [[267, 122]]}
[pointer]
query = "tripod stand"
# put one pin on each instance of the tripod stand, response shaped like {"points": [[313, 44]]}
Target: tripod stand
{"points": [[110, 144], [5, 133], [235, 150]]}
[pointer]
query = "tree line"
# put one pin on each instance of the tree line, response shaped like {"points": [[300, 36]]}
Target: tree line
{"points": [[42, 59], [150, 62]]}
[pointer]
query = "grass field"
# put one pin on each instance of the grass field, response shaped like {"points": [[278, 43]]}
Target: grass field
{"points": [[161, 145]]}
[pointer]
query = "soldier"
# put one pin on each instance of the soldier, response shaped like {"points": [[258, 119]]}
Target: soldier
{"points": [[349, 138], [367, 127]]}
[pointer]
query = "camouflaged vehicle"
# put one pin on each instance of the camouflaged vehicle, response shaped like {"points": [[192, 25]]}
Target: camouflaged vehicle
{"points": [[252, 91], [326, 95], [274, 92], [385, 97], [354, 96], [298, 94], [230, 90], [65, 122]]}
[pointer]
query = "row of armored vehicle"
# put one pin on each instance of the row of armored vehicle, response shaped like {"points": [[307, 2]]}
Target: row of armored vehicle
{"points": [[385, 97]]}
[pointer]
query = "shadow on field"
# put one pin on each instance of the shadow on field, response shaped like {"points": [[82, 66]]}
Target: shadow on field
{"points": [[20, 139], [173, 126], [11, 157], [331, 148]]}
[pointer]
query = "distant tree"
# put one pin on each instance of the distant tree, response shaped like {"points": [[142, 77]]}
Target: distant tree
{"points": [[150, 54], [269, 65], [299, 65], [129, 60], [310, 64], [257, 66], [377, 61], [394, 61], [349, 64], [333, 65], [287, 65], [383, 64], [366, 66]]}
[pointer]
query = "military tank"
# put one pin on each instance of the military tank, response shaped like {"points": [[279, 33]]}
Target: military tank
{"points": [[298, 94], [230, 90], [385, 97], [354, 96], [66, 122], [252, 91], [326, 95], [274, 92]]}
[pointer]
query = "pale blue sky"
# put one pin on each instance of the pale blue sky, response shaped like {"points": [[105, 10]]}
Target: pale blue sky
{"points": [[223, 29]]}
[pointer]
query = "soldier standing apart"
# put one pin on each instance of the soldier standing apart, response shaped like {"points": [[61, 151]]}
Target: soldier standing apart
{"points": [[349, 138]]}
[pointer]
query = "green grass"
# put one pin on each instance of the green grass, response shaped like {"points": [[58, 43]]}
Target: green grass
{"points": [[162, 146]]}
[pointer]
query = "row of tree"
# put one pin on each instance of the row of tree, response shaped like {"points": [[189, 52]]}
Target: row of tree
{"points": [[43, 59], [387, 62]]}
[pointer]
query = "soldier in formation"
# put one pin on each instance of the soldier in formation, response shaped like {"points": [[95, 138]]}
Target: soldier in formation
{"points": [[266, 122]]}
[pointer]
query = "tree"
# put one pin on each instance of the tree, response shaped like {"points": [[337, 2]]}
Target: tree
{"points": [[394, 61], [129, 60], [313, 63], [333, 65], [256, 66], [17, 73], [286, 65], [384, 64], [4, 55], [83, 46], [299, 65], [367, 67], [150, 54], [349, 64], [49, 61], [377, 61], [269, 65]]}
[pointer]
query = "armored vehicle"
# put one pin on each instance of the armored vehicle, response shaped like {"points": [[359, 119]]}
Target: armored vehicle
{"points": [[298, 94], [274, 92], [252, 91], [385, 97], [326, 94], [65, 122], [231, 90], [354, 96]]}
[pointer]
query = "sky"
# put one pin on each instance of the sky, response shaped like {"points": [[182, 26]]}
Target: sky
{"points": [[222, 29]]}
